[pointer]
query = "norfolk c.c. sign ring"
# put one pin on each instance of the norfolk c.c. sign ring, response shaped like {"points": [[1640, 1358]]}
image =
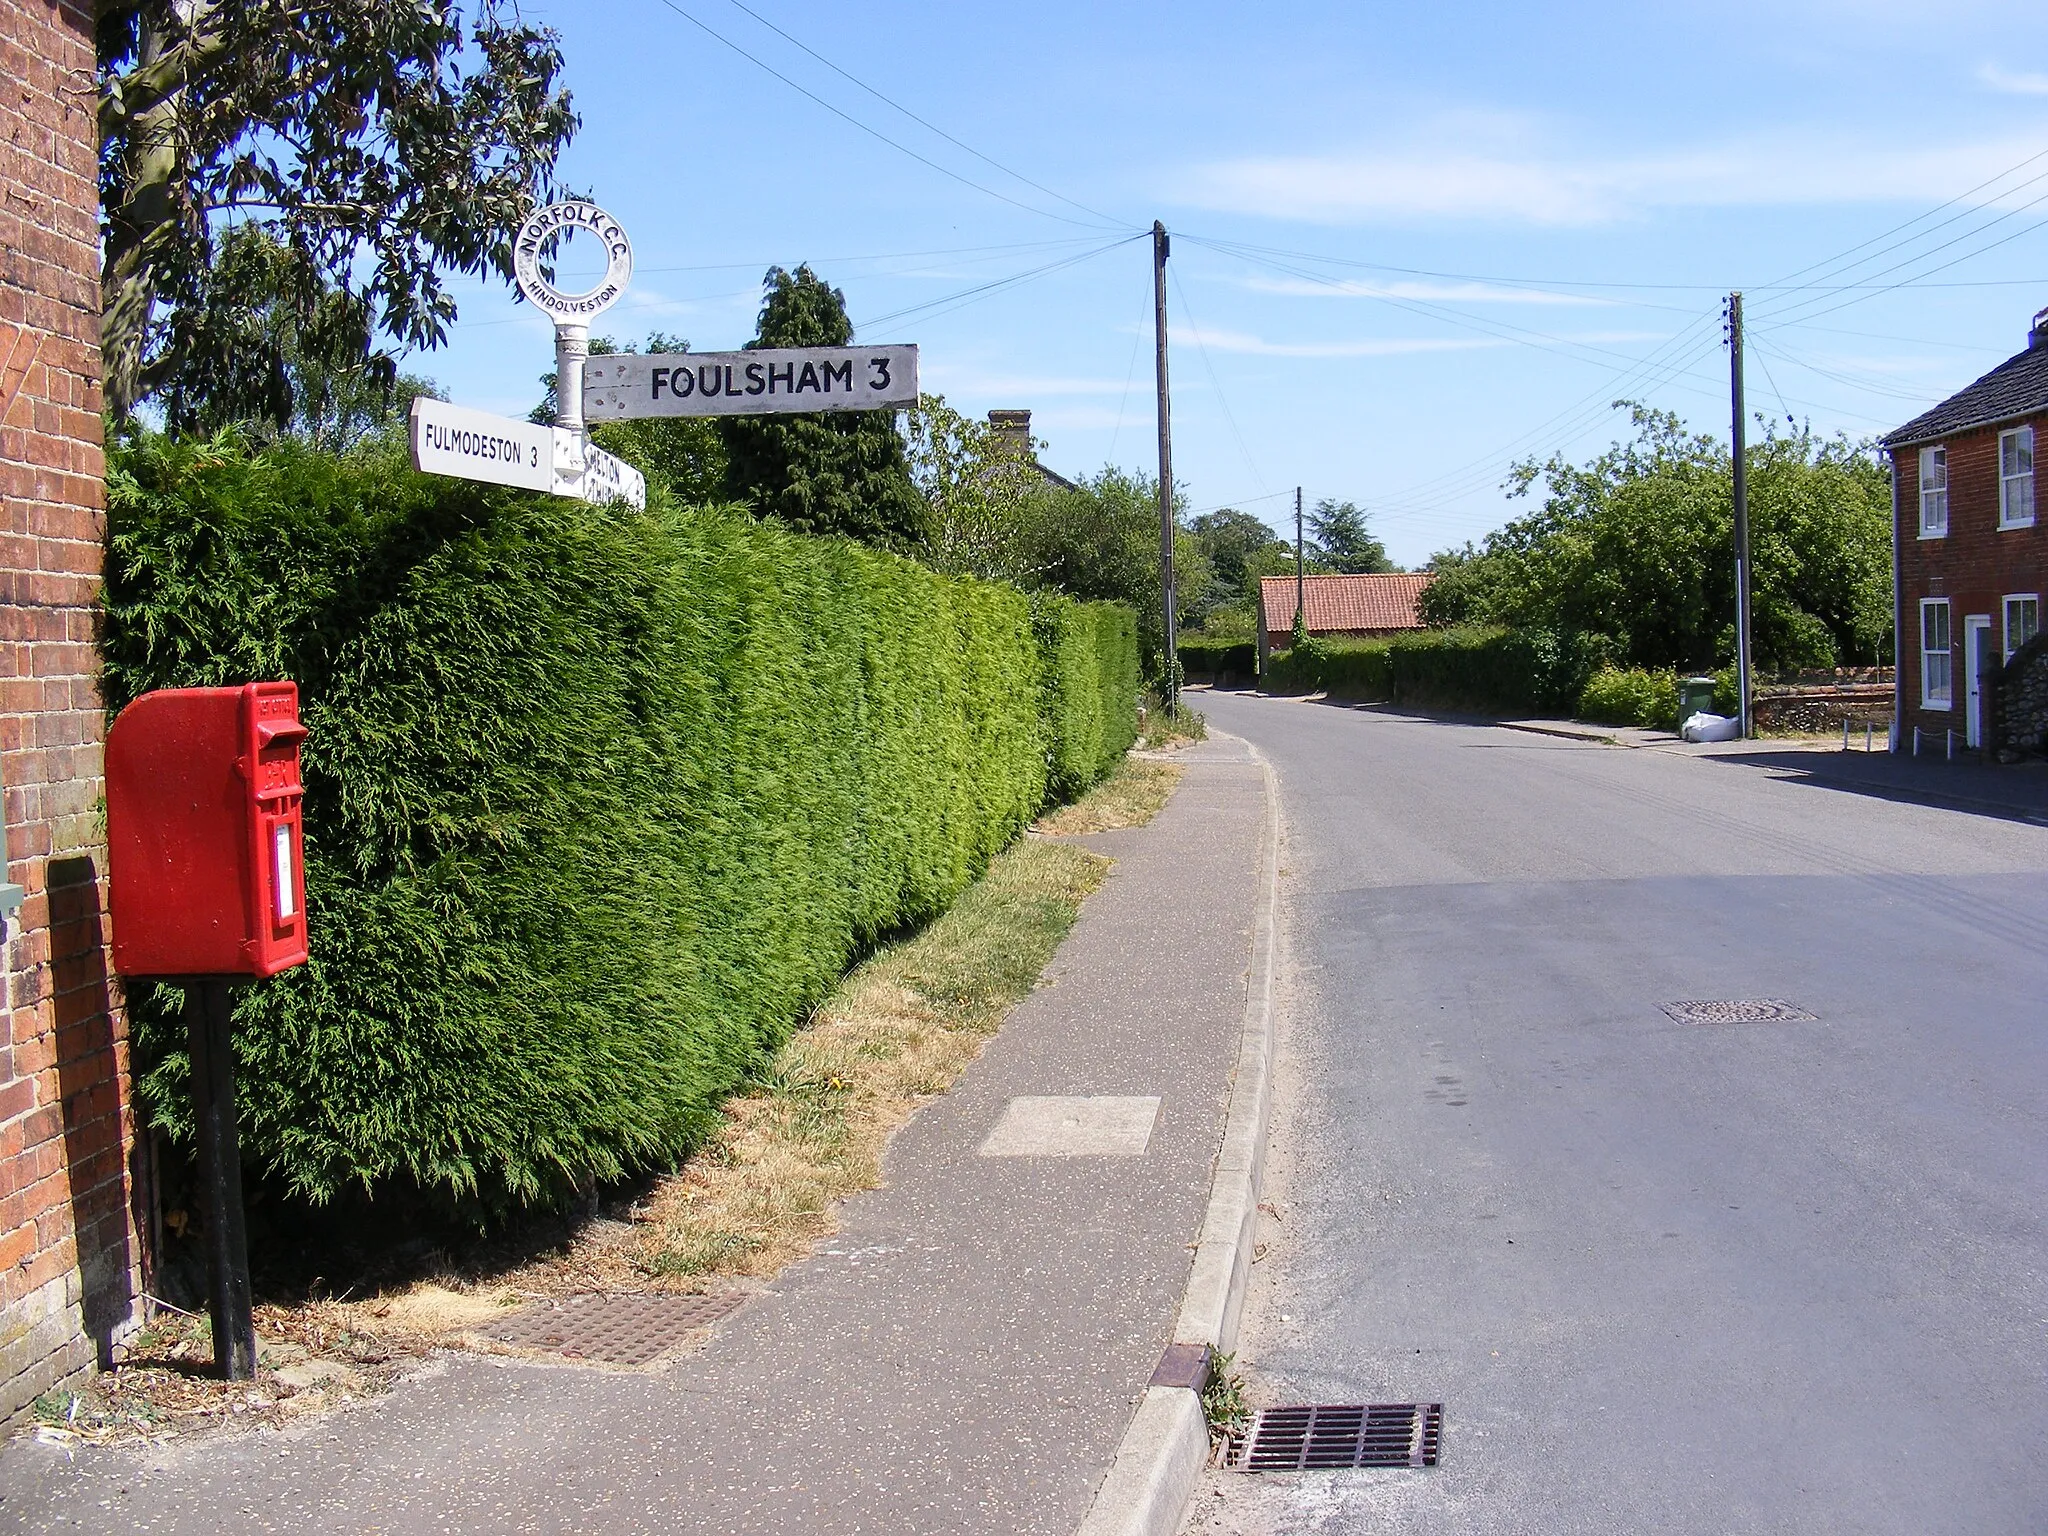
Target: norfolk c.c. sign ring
{"points": [[572, 308]]}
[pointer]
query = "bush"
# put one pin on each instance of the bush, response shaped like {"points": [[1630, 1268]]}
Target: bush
{"points": [[1089, 689], [1631, 696], [1485, 670], [1218, 658], [598, 801]]}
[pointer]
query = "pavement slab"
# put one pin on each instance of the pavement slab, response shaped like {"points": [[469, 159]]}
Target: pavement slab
{"points": [[962, 1356]]}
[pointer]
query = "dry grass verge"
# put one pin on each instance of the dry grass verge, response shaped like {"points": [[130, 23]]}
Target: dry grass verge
{"points": [[1130, 797]]}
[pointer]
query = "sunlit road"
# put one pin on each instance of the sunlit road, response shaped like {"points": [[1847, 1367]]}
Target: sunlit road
{"points": [[1665, 1276]]}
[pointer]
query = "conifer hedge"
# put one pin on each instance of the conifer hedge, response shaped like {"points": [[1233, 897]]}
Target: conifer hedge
{"points": [[598, 801]]}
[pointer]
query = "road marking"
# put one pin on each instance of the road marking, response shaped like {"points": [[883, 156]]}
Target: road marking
{"points": [[1101, 1126]]}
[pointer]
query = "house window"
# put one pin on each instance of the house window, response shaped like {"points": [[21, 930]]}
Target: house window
{"points": [[2016, 478], [2022, 620], [1933, 492], [1935, 660]]}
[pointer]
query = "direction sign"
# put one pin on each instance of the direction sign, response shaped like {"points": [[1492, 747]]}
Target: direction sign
{"points": [[475, 445], [771, 381]]}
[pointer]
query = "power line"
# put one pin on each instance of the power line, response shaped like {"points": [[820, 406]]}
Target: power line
{"points": [[965, 296], [848, 117], [1202, 346], [1113, 222]]}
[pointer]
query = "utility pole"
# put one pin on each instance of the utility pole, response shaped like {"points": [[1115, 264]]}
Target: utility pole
{"points": [[1170, 681], [1300, 579], [1740, 446]]}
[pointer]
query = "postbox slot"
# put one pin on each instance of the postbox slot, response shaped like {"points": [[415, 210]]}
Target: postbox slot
{"points": [[268, 731]]}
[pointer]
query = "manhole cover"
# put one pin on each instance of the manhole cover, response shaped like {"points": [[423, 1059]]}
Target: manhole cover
{"points": [[1329, 1436], [617, 1330], [1739, 1010]]}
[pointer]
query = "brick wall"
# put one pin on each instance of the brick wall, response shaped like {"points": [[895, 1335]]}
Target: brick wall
{"points": [[69, 1276], [1975, 566]]}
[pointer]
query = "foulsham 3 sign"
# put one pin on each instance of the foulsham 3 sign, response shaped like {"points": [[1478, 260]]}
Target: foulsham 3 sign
{"points": [[621, 385]]}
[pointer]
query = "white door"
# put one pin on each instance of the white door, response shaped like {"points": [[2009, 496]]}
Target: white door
{"points": [[1976, 667]]}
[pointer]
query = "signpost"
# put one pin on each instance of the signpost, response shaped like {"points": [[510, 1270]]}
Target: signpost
{"points": [[561, 459], [624, 385]]}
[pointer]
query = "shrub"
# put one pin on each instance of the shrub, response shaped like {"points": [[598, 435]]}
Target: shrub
{"points": [[1486, 670], [1089, 689], [598, 801], [1218, 658], [1631, 696]]}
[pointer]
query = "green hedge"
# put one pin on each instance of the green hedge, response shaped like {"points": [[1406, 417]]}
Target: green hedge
{"points": [[1495, 671], [1089, 653], [598, 802], [1218, 658], [1631, 696]]}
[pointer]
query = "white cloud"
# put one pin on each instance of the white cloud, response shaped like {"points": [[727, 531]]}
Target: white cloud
{"points": [[1492, 169], [1436, 292], [2013, 82], [1385, 346]]}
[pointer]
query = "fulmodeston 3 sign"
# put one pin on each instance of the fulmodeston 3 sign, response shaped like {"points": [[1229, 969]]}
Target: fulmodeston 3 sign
{"points": [[622, 385]]}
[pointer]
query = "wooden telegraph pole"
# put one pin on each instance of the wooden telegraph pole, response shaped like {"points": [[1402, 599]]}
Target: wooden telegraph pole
{"points": [[1300, 572], [1741, 466], [1170, 684]]}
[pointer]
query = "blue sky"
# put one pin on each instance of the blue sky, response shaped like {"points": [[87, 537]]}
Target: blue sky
{"points": [[1412, 244]]}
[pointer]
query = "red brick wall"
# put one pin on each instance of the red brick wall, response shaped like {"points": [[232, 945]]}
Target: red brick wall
{"points": [[69, 1277], [1976, 566]]}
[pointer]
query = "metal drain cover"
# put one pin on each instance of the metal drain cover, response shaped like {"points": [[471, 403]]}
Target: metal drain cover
{"points": [[617, 1330], [1740, 1010], [1330, 1436]]}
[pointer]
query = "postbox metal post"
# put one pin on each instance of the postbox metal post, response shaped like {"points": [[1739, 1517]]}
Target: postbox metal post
{"points": [[209, 1007]]}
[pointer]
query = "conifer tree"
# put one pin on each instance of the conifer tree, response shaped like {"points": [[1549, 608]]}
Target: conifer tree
{"points": [[830, 472]]}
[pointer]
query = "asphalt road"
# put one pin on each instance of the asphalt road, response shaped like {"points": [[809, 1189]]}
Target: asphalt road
{"points": [[1775, 1277]]}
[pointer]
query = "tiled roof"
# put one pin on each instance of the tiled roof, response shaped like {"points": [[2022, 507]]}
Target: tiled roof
{"points": [[1331, 604], [2016, 387]]}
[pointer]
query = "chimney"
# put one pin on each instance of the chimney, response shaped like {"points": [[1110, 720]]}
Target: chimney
{"points": [[1013, 431], [2038, 336]]}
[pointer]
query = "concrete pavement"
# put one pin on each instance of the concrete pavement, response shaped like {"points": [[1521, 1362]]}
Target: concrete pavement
{"points": [[962, 1357], [1665, 1276]]}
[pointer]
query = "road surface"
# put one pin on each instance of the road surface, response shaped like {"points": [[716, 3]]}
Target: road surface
{"points": [[1665, 1276]]}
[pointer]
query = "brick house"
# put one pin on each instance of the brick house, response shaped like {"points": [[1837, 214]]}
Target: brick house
{"points": [[1970, 559], [70, 1278], [1347, 607]]}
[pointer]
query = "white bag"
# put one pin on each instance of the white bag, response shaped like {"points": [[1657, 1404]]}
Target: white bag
{"points": [[1706, 727]]}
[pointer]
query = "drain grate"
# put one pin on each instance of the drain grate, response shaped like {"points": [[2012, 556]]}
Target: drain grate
{"points": [[617, 1330], [1326, 1436], [1740, 1010]]}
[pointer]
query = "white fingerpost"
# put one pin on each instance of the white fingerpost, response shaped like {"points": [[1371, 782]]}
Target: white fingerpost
{"points": [[571, 312]]}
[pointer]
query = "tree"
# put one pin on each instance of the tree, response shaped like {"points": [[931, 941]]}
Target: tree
{"points": [[278, 369], [1343, 542], [822, 472], [1637, 547], [375, 144], [1237, 547], [983, 491], [1100, 540]]}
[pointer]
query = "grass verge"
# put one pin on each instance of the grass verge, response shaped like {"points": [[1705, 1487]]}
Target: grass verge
{"points": [[898, 1030], [1129, 797]]}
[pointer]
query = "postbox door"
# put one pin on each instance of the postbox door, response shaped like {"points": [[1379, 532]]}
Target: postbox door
{"points": [[278, 925]]}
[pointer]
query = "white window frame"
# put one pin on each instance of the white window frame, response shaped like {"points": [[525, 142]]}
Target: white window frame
{"points": [[2006, 607], [1947, 656], [2016, 478], [1934, 491]]}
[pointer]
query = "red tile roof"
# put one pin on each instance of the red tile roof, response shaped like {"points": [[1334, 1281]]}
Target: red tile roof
{"points": [[1342, 604]]}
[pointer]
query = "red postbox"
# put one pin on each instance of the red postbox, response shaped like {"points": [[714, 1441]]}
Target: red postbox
{"points": [[204, 857]]}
